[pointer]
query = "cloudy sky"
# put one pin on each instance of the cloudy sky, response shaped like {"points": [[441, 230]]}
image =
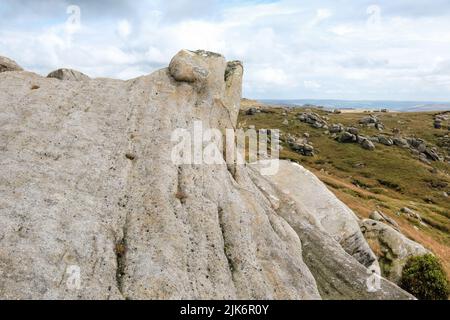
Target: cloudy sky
{"points": [[336, 49]]}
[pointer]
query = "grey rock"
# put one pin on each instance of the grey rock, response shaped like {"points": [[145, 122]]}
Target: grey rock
{"points": [[372, 119], [368, 145], [400, 142], [392, 248], [379, 126], [433, 154], [302, 148], [347, 137], [423, 157], [352, 130], [336, 128], [385, 140], [410, 213]]}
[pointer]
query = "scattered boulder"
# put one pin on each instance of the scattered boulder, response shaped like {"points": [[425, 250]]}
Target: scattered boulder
{"points": [[313, 119], [302, 148], [372, 121], [368, 145], [251, 111], [347, 137], [423, 158], [392, 248], [410, 213], [336, 128], [420, 148], [7, 65], [68, 75], [385, 140], [432, 153], [400, 142], [353, 130]]}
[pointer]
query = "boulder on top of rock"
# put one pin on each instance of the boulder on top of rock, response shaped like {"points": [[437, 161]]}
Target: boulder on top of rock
{"points": [[68, 75], [7, 64], [198, 66], [392, 248]]}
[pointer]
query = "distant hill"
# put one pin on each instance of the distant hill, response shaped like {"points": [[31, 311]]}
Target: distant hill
{"points": [[403, 106]]}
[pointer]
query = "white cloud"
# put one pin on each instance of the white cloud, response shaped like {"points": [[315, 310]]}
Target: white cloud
{"points": [[124, 28], [311, 84], [290, 50]]}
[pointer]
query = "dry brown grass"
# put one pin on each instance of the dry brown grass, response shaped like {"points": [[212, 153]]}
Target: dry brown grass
{"points": [[389, 179]]}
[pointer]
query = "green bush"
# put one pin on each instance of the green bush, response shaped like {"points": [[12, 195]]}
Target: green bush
{"points": [[425, 278]]}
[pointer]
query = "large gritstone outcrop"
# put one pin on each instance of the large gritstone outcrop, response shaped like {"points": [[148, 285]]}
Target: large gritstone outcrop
{"points": [[92, 205]]}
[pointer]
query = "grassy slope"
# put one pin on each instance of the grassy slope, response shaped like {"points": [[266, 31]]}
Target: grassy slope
{"points": [[390, 177]]}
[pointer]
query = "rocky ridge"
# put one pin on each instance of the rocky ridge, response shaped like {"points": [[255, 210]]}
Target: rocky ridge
{"points": [[87, 181]]}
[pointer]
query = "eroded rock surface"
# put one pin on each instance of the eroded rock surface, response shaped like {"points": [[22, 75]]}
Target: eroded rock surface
{"points": [[87, 183]]}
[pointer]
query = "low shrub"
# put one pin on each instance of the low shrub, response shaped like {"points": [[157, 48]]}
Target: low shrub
{"points": [[424, 277]]}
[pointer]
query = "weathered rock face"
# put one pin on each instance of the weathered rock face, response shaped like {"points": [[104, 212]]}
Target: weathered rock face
{"points": [[68, 75], [8, 65], [392, 247], [87, 182]]}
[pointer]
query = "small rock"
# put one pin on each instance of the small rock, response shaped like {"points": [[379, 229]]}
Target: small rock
{"points": [[353, 130], [368, 145], [410, 213], [250, 112], [400, 142], [347, 137], [385, 140]]}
